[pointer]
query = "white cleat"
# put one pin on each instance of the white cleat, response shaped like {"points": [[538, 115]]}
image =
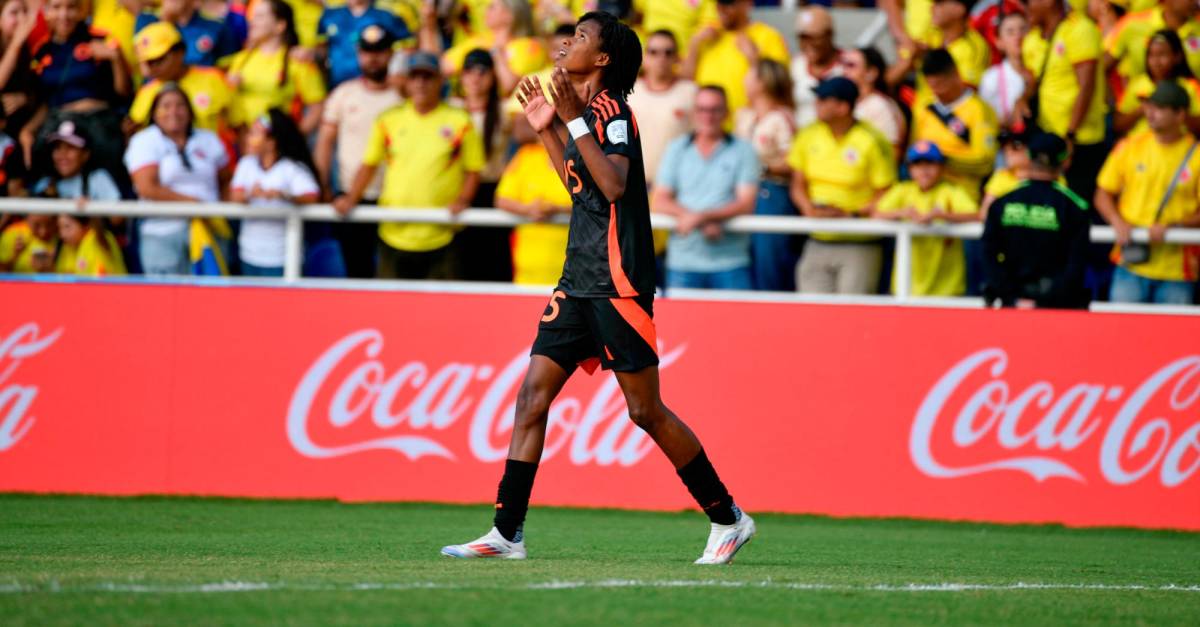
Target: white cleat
{"points": [[493, 545], [724, 541]]}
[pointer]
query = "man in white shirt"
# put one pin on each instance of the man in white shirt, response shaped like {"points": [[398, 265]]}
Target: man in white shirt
{"points": [[661, 100], [818, 60], [346, 124]]}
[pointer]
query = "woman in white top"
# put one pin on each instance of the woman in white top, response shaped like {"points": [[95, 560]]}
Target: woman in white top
{"points": [[1004, 83], [769, 125], [277, 171], [171, 161], [866, 67]]}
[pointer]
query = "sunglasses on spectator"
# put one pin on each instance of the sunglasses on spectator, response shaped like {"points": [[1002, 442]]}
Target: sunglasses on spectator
{"points": [[813, 36], [712, 110], [657, 52]]}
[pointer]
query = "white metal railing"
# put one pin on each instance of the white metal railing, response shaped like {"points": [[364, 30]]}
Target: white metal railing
{"points": [[294, 218]]}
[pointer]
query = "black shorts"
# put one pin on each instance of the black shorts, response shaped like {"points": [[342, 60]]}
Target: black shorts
{"points": [[616, 333]]}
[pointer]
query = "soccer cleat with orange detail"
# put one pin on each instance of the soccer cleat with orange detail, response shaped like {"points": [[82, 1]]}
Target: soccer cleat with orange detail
{"points": [[493, 545], [724, 541]]}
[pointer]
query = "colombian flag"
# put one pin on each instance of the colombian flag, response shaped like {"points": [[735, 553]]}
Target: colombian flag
{"points": [[206, 256]]}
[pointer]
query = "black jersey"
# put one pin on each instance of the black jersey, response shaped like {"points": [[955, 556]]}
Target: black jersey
{"points": [[610, 247]]}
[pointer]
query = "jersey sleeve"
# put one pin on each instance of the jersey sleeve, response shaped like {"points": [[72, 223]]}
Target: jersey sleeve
{"points": [[1111, 178], [139, 111], [796, 158], [771, 45], [613, 126], [960, 202], [101, 186], [749, 167], [141, 152], [472, 149], [243, 176], [892, 200], [309, 84], [1083, 42], [214, 146], [302, 182], [376, 150], [882, 172]]}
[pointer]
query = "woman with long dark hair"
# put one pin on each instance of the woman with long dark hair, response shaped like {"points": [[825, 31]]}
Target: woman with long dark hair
{"points": [[266, 76], [171, 160], [1165, 61], [277, 171], [486, 252]]}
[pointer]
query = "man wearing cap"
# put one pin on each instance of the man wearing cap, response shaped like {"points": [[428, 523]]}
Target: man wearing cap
{"points": [[722, 54], [341, 30], [207, 41], [840, 168], [1152, 180], [818, 60], [161, 51], [346, 122], [938, 265], [432, 157], [958, 121], [705, 179], [1035, 239]]}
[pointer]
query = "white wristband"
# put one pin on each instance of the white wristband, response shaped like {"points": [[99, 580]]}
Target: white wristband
{"points": [[578, 128]]}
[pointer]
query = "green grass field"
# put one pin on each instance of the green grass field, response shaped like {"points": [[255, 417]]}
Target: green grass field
{"points": [[78, 560]]}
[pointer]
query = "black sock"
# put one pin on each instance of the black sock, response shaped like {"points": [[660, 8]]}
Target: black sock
{"points": [[512, 499], [702, 481]]}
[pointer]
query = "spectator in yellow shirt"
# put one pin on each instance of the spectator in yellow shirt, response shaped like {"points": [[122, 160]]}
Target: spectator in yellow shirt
{"points": [[510, 38], [266, 76], [532, 188], [1062, 50], [1126, 44], [682, 17], [433, 157], [1152, 180], [160, 50], [723, 54], [840, 168], [88, 249], [938, 265], [28, 246], [1165, 61], [959, 122]]}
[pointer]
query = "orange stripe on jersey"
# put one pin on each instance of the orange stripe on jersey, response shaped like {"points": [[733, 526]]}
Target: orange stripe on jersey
{"points": [[613, 109], [602, 113], [600, 131], [620, 281], [638, 319]]}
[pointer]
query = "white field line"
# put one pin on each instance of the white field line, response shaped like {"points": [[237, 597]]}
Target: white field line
{"points": [[261, 586]]}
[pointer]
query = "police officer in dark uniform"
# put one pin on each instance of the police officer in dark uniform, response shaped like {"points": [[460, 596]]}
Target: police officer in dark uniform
{"points": [[1035, 239]]}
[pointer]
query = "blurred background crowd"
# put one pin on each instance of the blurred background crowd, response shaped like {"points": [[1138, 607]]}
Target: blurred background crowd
{"points": [[408, 103]]}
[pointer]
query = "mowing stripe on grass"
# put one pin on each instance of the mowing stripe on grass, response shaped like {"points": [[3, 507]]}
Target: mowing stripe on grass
{"points": [[260, 586]]}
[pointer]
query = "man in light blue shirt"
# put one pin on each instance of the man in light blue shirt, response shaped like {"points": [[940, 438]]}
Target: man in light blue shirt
{"points": [[705, 179]]}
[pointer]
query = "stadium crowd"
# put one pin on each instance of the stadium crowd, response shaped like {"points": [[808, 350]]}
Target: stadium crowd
{"points": [[408, 103]]}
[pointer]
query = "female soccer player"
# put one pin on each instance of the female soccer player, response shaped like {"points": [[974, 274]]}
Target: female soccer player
{"points": [[601, 312]]}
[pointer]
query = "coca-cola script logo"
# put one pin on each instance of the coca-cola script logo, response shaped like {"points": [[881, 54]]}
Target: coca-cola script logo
{"points": [[1134, 443], [16, 399], [409, 405]]}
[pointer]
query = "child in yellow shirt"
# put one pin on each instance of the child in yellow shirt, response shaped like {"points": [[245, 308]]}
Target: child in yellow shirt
{"points": [[938, 265]]}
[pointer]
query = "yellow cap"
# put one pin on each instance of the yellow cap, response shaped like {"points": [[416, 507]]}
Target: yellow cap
{"points": [[155, 40]]}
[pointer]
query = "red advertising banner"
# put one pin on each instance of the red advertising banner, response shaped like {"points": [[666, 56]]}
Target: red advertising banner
{"points": [[1008, 416]]}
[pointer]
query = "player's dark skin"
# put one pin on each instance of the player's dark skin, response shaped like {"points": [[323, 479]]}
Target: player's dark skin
{"points": [[579, 67]]}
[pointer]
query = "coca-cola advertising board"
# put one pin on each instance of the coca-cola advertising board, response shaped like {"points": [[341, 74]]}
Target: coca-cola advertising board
{"points": [[1007, 416]]}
